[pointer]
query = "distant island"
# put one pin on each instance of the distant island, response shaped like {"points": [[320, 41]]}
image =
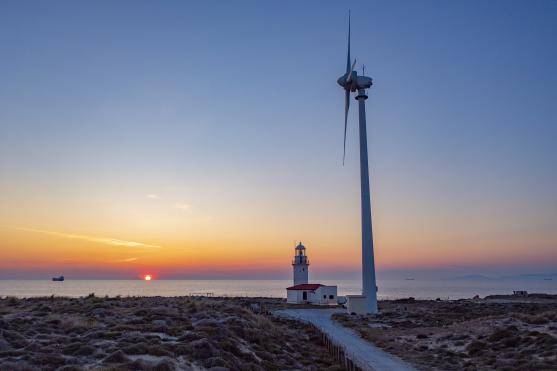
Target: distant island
{"points": [[531, 277]]}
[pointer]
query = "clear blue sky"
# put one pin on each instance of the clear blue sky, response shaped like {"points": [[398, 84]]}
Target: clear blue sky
{"points": [[239, 100]]}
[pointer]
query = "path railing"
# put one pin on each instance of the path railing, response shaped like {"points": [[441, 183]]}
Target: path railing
{"points": [[347, 359]]}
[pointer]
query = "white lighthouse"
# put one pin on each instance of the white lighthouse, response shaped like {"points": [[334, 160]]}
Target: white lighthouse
{"points": [[304, 292], [300, 265]]}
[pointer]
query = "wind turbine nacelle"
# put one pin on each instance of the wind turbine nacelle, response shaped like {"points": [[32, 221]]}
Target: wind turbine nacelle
{"points": [[363, 82], [355, 83]]}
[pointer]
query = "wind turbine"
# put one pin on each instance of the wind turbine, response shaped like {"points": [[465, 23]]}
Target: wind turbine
{"points": [[351, 82]]}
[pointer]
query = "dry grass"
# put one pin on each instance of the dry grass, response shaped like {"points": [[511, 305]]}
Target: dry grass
{"points": [[152, 334], [464, 335]]}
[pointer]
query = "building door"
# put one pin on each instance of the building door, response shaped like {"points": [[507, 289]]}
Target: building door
{"points": [[305, 295]]}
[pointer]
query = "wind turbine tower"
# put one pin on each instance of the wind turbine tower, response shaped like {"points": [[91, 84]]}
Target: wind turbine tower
{"points": [[351, 82]]}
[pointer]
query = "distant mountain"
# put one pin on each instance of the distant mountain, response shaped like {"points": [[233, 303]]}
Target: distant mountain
{"points": [[473, 277], [535, 277], [530, 277]]}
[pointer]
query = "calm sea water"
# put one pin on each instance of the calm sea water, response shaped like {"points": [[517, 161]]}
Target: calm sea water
{"points": [[388, 289]]}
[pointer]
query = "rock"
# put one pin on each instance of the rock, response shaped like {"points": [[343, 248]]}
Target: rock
{"points": [[116, 357], [475, 347], [4, 345], [93, 335], [251, 367], [159, 351], [111, 334], [72, 348], [208, 322], [159, 322], [263, 354], [143, 365], [215, 363], [164, 365], [69, 368], [99, 312], [85, 350], [18, 365], [16, 340], [235, 320], [132, 336], [501, 334], [182, 349], [202, 349], [135, 349], [49, 360], [189, 336]]}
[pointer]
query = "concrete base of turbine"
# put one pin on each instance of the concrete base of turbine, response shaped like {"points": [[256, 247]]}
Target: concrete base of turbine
{"points": [[360, 304]]}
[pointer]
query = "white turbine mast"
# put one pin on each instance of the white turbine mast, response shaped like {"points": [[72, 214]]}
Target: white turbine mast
{"points": [[351, 82]]}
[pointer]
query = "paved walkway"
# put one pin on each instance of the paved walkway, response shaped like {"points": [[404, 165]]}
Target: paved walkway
{"points": [[362, 352]]}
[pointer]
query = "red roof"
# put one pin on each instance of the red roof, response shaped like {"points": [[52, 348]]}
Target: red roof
{"points": [[305, 286]]}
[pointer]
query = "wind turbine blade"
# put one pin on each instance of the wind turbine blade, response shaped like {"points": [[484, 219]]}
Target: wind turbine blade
{"points": [[350, 73], [348, 54], [346, 107]]}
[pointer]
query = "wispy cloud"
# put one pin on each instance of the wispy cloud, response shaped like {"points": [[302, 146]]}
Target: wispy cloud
{"points": [[103, 240], [153, 196], [182, 206], [127, 260]]}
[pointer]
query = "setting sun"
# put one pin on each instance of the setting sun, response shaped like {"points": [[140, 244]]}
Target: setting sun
{"points": [[147, 277]]}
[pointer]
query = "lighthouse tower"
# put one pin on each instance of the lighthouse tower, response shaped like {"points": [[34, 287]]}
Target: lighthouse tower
{"points": [[304, 292], [300, 265]]}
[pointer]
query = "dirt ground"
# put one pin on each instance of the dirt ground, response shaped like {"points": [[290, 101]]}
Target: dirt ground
{"points": [[495, 333]]}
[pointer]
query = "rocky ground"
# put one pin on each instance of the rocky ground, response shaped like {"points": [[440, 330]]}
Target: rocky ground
{"points": [[153, 333], [494, 333]]}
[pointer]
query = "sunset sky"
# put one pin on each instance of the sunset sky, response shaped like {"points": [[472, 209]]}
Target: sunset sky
{"points": [[202, 139]]}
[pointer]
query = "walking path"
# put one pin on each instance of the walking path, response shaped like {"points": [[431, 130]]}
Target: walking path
{"points": [[364, 354]]}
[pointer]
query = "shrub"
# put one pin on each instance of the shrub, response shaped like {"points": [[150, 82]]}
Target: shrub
{"points": [[475, 347], [502, 333]]}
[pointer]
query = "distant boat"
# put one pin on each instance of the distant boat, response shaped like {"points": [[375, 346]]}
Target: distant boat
{"points": [[548, 279], [409, 279], [58, 279]]}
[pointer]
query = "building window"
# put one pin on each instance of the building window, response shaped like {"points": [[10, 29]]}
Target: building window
{"points": [[324, 296], [331, 296]]}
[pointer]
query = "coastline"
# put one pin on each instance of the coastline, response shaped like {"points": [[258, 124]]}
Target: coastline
{"points": [[389, 289]]}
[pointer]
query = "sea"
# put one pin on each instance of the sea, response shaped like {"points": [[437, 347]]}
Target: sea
{"points": [[387, 289]]}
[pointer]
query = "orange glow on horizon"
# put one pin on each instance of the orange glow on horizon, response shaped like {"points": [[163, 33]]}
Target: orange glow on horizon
{"points": [[229, 247]]}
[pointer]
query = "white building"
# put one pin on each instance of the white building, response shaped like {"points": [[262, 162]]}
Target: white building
{"points": [[303, 292], [311, 293]]}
